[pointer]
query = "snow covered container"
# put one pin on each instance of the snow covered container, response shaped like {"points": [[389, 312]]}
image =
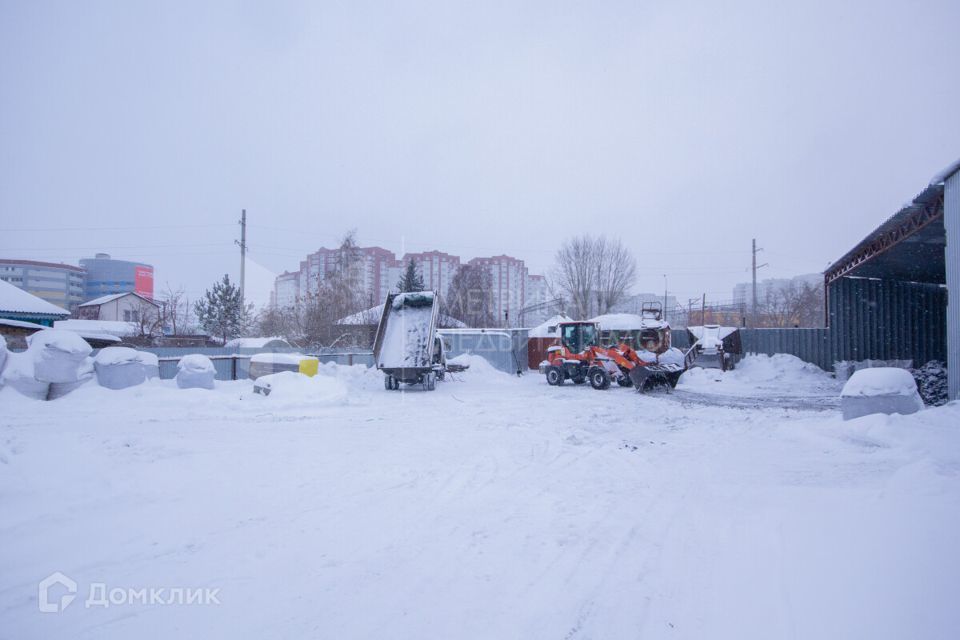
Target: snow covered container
{"points": [[880, 390], [195, 371], [263, 364], [3, 357], [57, 354], [119, 368], [406, 347]]}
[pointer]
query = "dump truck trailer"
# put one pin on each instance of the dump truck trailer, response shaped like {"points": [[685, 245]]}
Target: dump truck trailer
{"points": [[407, 348]]}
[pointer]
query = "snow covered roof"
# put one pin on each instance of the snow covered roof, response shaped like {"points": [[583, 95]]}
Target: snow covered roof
{"points": [[946, 173], [16, 300], [626, 322], [98, 328], [96, 302], [548, 329], [256, 343], [21, 324]]}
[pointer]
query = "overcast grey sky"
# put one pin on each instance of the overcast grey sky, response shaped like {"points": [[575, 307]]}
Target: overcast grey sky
{"points": [[477, 128]]}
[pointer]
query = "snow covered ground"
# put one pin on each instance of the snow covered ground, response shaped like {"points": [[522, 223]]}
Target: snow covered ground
{"points": [[493, 507]]}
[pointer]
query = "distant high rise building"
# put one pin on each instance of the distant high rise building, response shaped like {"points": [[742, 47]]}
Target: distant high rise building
{"points": [[379, 271], [508, 276], [106, 276], [59, 284]]}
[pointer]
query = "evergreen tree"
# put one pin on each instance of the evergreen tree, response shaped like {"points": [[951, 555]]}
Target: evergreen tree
{"points": [[411, 280], [221, 311]]}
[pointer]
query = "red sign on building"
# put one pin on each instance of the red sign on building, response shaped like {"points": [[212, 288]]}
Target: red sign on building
{"points": [[143, 281]]}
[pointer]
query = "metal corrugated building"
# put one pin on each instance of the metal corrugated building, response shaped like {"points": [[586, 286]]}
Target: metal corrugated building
{"points": [[886, 297], [951, 222]]}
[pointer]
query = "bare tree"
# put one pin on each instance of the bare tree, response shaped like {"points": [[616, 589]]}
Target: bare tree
{"points": [[176, 309], [792, 304], [594, 274], [147, 320]]}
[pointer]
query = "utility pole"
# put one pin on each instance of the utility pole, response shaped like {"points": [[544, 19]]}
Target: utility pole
{"points": [[243, 253], [703, 311], [753, 310], [664, 297]]}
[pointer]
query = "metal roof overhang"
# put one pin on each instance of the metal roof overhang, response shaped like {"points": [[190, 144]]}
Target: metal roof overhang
{"points": [[908, 246]]}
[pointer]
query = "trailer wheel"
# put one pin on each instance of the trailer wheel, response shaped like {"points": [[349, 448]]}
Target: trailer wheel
{"points": [[388, 382], [430, 381], [599, 378], [554, 376]]}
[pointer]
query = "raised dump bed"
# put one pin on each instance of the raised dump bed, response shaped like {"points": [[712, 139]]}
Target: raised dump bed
{"points": [[407, 348]]}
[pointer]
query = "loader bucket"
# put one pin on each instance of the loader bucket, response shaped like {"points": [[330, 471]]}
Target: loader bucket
{"points": [[645, 378]]}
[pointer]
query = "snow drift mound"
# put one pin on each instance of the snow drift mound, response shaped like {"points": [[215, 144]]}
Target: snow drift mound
{"points": [[290, 387], [480, 368], [781, 373]]}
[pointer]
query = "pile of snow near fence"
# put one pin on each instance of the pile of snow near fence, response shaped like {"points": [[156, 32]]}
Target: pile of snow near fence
{"points": [[759, 374], [195, 371], [880, 390], [55, 363]]}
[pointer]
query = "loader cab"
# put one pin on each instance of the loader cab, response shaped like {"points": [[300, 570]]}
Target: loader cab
{"points": [[579, 336]]}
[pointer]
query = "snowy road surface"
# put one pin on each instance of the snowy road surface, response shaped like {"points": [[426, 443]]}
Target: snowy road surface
{"points": [[494, 507]]}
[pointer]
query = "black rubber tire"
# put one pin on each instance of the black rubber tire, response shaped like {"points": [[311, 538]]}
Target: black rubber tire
{"points": [[554, 376], [599, 379]]}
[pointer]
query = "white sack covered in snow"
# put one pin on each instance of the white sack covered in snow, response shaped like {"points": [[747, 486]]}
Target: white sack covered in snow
{"points": [[195, 371], [85, 374], [880, 390], [119, 368], [18, 373], [57, 354]]}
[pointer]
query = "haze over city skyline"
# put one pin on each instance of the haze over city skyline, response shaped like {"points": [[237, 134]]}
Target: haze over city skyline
{"points": [[686, 130]]}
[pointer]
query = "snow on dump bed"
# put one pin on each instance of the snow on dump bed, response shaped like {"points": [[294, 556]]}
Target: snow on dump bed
{"points": [[880, 381], [406, 339], [760, 374]]}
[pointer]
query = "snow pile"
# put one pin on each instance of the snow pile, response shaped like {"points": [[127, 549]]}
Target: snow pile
{"points": [[357, 377], [880, 390], [119, 367], [880, 381], [763, 375], [479, 368], [296, 388], [195, 371]]}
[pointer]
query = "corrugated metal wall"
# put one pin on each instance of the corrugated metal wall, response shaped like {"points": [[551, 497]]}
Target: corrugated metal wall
{"points": [[887, 320], [810, 345], [951, 222]]}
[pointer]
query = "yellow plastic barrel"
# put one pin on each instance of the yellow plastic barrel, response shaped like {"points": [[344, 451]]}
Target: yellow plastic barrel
{"points": [[308, 366]]}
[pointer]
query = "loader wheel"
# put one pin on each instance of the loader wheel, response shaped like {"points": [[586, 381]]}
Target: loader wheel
{"points": [[599, 378], [554, 376]]}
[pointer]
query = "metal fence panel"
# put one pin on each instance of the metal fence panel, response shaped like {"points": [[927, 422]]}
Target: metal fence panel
{"points": [[505, 349], [809, 344]]}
